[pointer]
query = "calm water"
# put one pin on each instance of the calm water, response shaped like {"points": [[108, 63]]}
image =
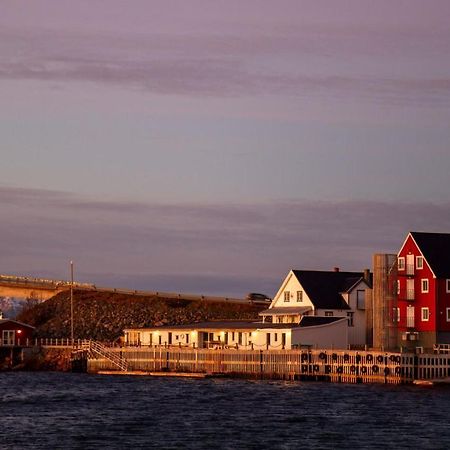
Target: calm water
{"points": [[65, 411]]}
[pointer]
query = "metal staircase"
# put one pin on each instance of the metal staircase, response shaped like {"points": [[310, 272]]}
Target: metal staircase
{"points": [[97, 349]]}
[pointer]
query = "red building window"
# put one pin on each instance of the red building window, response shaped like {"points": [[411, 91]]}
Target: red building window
{"points": [[425, 285], [419, 262]]}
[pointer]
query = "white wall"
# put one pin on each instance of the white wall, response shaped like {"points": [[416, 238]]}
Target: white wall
{"points": [[292, 285], [334, 335]]}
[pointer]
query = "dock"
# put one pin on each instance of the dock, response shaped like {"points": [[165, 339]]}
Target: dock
{"points": [[159, 374]]}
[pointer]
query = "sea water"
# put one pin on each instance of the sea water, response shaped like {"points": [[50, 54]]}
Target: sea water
{"points": [[45, 410]]}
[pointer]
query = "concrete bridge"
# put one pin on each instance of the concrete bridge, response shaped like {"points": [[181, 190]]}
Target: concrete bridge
{"points": [[43, 289], [27, 287]]}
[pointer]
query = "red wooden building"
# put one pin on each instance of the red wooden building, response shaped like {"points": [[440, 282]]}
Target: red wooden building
{"points": [[423, 288], [13, 333]]}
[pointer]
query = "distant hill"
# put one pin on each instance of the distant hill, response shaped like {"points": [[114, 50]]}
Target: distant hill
{"points": [[104, 315]]}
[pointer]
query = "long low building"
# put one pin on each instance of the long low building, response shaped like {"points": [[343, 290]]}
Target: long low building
{"points": [[310, 331]]}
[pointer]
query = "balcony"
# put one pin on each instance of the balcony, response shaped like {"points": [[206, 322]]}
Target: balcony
{"points": [[408, 295], [407, 270]]}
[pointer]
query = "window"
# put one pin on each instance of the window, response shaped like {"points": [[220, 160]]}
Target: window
{"points": [[361, 299], [410, 316], [299, 296], [328, 313], [401, 263], [419, 262], [287, 296], [425, 314], [395, 315], [447, 285], [350, 319], [448, 314], [275, 337], [397, 287], [425, 285]]}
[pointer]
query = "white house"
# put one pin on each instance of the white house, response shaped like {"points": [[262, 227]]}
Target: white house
{"points": [[315, 332], [324, 294]]}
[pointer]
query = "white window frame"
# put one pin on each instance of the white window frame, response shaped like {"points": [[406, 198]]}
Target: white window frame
{"points": [[398, 287], [425, 314], [447, 285], [401, 263], [299, 296], [424, 289], [447, 311], [419, 266], [287, 296]]}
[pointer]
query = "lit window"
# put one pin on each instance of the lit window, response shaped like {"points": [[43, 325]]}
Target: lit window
{"points": [[448, 314], [401, 263], [287, 296], [425, 314], [425, 285], [419, 262], [328, 313], [299, 296], [398, 287], [447, 285]]}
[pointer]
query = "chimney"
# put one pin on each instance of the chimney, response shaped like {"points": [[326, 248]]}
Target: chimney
{"points": [[335, 269], [367, 275]]}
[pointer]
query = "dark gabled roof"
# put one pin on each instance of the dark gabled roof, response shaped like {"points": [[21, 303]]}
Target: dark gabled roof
{"points": [[4, 320], [324, 288], [435, 247], [221, 325]]}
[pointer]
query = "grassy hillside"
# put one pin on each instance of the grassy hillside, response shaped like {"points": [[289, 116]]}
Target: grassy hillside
{"points": [[104, 315]]}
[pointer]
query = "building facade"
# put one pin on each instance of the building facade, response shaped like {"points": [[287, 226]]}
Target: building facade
{"points": [[423, 289], [323, 294]]}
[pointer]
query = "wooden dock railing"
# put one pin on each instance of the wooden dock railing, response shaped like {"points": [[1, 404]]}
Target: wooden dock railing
{"points": [[330, 365]]}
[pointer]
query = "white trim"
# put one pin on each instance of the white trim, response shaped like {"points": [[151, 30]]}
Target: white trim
{"points": [[401, 267], [447, 310], [422, 289], [425, 317], [447, 285], [425, 259]]}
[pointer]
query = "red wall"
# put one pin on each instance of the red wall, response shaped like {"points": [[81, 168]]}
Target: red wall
{"points": [[421, 299], [23, 332]]}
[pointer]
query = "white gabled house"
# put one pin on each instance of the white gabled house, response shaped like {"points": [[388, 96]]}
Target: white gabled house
{"points": [[323, 294]]}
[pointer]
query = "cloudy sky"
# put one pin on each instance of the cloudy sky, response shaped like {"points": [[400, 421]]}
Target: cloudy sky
{"points": [[211, 146]]}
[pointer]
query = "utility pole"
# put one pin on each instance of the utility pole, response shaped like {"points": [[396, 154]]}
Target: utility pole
{"points": [[71, 302]]}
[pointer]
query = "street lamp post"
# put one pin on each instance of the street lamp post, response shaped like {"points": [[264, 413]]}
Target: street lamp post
{"points": [[71, 302]]}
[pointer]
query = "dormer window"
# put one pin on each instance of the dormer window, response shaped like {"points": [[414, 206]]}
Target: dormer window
{"points": [[401, 263], [287, 296], [419, 262]]}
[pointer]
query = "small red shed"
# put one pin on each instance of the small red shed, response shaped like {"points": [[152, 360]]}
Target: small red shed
{"points": [[14, 333]]}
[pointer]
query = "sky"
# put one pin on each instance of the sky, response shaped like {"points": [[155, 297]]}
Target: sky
{"points": [[210, 147]]}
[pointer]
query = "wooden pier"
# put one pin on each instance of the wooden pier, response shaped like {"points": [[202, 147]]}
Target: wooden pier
{"points": [[326, 365]]}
